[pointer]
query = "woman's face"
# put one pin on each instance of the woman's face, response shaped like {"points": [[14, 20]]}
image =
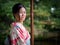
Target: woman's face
{"points": [[21, 15]]}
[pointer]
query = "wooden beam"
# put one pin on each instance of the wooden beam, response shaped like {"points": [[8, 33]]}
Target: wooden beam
{"points": [[31, 17]]}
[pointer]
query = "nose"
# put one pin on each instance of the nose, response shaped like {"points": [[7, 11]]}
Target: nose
{"points": [[22, 14]]}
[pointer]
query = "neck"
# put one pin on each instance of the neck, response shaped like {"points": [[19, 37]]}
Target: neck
{"points": [[19, 22]]}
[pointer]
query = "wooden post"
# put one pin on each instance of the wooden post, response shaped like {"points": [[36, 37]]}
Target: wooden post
{"points": [[31, 17]]}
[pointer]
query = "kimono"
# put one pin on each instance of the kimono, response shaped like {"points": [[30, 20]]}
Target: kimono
{"points": [[19, 35]]}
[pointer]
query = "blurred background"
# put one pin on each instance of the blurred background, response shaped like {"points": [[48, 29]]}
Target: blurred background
{"points": [[46, 20]]}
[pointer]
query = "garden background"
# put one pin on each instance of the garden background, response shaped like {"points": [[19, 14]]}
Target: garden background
{"points": [[46, 20]]}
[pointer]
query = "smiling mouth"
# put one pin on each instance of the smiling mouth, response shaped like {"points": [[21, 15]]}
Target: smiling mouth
{"points": [[22, 17]]}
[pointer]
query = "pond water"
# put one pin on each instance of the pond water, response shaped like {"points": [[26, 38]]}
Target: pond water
{"points": [[49, 41]]}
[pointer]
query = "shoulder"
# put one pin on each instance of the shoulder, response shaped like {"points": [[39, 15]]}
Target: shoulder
{"points": [[15, 24], [12, 24]]}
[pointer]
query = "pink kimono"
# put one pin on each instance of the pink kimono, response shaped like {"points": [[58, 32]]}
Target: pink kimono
{"points": [[19, 35]]}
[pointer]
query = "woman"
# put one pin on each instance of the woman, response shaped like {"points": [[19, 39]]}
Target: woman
{"points": [[18, 34]]}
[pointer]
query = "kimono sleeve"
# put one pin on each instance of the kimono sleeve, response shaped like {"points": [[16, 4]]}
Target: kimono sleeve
{"points": [[13, 36], [16, 36]]}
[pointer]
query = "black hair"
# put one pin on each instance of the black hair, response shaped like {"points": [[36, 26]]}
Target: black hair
{"points": [[16, 8]]}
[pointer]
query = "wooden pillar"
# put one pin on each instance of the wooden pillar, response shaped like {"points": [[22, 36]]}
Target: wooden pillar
{"points": [[31, 17]]}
